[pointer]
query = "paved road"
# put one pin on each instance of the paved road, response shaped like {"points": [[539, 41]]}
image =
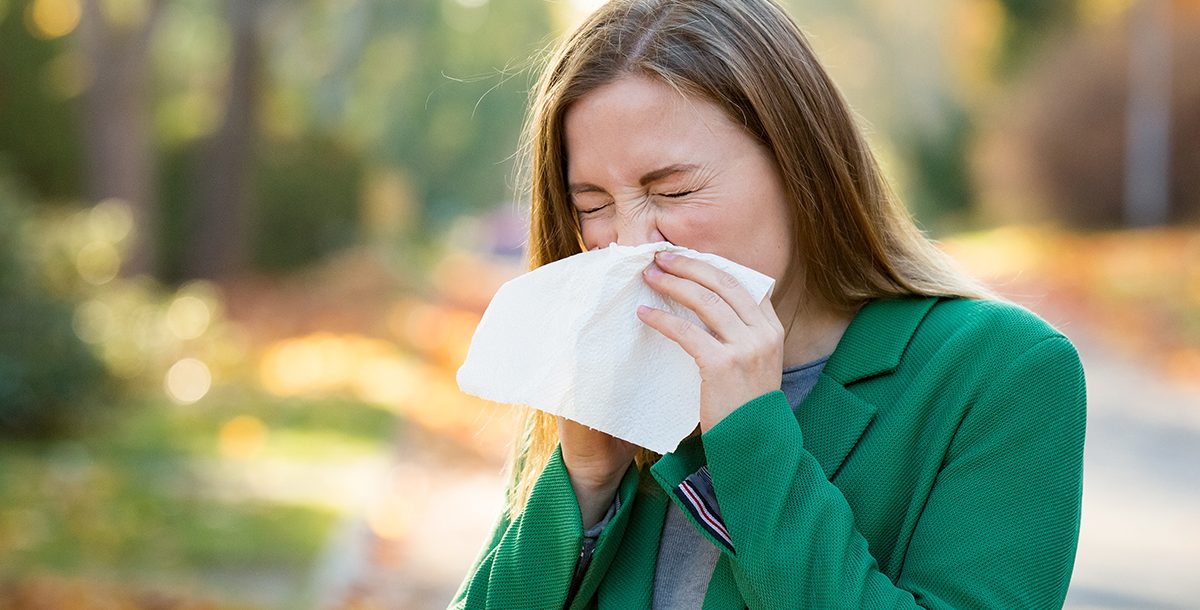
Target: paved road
{"points": [[1139, 543]]}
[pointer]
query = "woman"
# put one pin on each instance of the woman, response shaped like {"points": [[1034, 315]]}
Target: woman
{"points": [[923, 445]]}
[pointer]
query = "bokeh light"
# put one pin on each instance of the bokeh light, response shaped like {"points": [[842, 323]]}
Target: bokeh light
{"points": [[98, 262], [52, 18], [188, 317], [125, 14], [67, 75], [319, 363], [93, 321], [188, 381], [110, 220], [242, 437], [1103, 11]]}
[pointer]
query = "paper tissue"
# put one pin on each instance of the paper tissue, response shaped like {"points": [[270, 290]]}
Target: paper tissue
{"points": [[565, 338]]}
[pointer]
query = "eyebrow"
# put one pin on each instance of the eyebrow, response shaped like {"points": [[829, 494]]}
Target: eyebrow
{"points": [[647, 178]]}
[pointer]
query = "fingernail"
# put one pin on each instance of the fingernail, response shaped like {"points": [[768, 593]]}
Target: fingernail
{"points": [[652, 270], [663, 255]]}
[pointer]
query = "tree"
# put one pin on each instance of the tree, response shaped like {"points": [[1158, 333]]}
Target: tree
{"points": [[116, 126]]}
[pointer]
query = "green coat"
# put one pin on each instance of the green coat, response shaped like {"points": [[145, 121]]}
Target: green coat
{"points": [[937, 463]]}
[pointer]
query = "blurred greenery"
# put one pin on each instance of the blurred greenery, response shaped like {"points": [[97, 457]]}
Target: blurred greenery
{"points": [[39, 127], [308, 189], [426, 98], [51, 384], [1028, 25], [136, 499]]}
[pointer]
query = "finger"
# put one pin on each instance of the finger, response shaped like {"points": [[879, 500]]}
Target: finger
{"points": [[720, 318], [720, 282], [697, 343]]}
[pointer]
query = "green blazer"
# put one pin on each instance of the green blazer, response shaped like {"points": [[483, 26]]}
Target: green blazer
{"points": [[936, 463]]}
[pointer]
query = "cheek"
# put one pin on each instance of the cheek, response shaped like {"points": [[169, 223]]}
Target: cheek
{"points": [[690, 228], [698, 229], [594, 234]]}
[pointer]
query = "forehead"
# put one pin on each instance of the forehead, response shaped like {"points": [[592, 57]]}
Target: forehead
{"points": [[636, 122]]}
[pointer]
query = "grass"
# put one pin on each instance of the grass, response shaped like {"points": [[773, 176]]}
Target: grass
{"points": [[148, 498]]}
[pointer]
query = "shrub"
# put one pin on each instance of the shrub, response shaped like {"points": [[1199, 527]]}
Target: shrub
{"points": [[49, 379]]}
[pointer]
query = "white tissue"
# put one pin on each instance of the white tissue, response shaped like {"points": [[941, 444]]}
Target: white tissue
{"points": [[565, 338]]}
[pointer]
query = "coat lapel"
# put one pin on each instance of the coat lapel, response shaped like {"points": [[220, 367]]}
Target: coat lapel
{"points": [[876, 338], [832, 418]]}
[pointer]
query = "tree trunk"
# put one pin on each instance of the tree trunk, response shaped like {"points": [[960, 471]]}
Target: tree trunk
{"points": [[117, 127], [218, 244]]}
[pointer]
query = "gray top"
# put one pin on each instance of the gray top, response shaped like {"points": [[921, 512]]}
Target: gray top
{"points": [[685, 557]]}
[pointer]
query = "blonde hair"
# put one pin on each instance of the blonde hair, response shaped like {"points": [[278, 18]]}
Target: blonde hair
{"points": [[854, 239]]}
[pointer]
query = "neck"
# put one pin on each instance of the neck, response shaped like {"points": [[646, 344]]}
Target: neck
{"points": [[815, 334]]}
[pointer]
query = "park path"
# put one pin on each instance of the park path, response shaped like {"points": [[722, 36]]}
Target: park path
{"points": [[1138, 538], [1139, 542]]}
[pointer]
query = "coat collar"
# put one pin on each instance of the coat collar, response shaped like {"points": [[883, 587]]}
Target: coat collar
{"points": [[876, 338], [832, 418]]}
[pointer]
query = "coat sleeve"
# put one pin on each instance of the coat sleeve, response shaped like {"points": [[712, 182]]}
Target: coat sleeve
{"points": [[529, 560], [999, 529]]}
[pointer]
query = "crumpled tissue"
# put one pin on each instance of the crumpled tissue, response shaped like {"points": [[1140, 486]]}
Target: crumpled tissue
{"points": [[565, 338]]}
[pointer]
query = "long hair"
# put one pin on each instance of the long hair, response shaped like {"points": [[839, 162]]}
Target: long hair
{"points": [[854, 240]]}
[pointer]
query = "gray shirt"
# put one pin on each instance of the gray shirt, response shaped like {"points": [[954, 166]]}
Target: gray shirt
{"points": [[685, 557]]}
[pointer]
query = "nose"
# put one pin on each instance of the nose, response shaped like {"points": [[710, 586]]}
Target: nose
{"points": [[642, 229]]}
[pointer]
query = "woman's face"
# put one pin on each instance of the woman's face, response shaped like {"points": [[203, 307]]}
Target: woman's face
{"points": [[646, 164]]}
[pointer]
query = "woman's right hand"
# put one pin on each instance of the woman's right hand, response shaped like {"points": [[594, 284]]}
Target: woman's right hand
{"points": [[596, 462]]}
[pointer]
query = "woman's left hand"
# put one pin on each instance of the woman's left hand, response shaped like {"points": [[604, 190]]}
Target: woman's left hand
{"points": [[742, 358]]}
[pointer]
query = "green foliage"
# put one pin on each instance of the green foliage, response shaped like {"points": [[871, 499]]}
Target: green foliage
{"points": [[175, 200], [49, 380], [149, 498], [308, 198], [305, 203], [942, 189], [455, 122], [38, 120], [1027, 24]]}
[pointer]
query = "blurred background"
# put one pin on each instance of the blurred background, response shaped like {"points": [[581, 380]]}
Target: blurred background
{"points": [[244, 245]]}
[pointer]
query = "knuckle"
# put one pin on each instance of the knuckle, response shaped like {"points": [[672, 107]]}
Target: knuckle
{"points": [[756, 346], [710, 298], [774, 334], [724, 362], [754, 350], [683, 328], [765, 345], [728, 281]]}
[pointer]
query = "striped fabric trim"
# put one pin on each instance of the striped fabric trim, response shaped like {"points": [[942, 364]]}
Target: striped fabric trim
{"points": [[703, 513]]}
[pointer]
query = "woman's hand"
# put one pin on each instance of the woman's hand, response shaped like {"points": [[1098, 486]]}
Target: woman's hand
{"points": [[596, 462], [742, 358]]}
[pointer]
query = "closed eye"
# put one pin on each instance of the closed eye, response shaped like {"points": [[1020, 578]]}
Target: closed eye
{"points": [[668, 195], [677, 195]]}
